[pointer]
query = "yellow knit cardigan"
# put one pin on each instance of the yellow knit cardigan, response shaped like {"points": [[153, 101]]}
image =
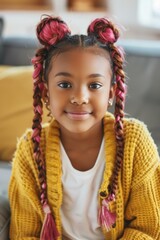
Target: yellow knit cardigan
{"points": [[137, 202]]}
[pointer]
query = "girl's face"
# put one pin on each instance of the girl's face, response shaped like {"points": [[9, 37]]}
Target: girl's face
{"points": [[79, 86]]}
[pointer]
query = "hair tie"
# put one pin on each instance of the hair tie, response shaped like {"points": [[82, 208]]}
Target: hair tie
{"points": [[104, 30], [51, 30]]}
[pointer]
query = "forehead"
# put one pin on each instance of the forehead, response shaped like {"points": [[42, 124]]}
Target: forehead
{"points": [[91, 57]]}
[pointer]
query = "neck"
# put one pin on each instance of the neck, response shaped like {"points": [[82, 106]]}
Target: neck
{"points": [[91, 138]]}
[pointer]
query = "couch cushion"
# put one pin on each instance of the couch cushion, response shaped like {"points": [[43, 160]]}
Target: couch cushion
{"points": [[143, 98], [4, 218], [18, 51], [16, 107], [5, 172]]}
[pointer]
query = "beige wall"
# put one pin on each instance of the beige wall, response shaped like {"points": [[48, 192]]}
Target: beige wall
{"points": [[126, 13]]}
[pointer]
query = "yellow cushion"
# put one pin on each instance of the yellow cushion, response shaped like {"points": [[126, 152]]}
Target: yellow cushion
{"points": [[3, 68], [15, 106]]}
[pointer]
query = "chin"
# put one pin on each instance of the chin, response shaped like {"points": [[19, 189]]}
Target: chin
{"points": [[77, 130], [78, 127]]}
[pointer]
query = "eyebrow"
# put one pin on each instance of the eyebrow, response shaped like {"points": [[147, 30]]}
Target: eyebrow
{"points": [[66, 74], [95, 75]]}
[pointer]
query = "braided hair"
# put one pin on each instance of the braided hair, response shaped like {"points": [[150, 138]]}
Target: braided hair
{"points": [[55, 38], [108, 34]]}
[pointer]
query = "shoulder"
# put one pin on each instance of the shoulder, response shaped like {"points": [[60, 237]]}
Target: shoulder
{"points": [[138, 141], [140, 148], [138, 138], [137, 132], [24, 150], [26, 138], [24, 166], [134, 127]]}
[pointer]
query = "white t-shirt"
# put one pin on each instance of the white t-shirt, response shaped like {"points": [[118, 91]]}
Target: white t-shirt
{"points": [[79, 208]]}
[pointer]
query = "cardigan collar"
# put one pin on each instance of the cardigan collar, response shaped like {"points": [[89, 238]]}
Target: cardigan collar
{"points": [[54, 165]]}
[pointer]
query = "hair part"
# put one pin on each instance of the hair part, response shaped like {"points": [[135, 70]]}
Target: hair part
{"points": [[74, 42]]}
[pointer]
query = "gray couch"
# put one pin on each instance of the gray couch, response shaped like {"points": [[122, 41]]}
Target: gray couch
{"points": [[143, 98], [4, 218]]}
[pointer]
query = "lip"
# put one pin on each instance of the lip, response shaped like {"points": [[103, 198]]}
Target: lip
{"points": [[78, 115]]}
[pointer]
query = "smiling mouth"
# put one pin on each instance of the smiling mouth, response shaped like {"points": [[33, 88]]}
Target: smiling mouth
{"points": [[78, 115]]}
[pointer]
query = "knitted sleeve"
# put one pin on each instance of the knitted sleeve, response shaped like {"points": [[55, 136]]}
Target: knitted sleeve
{"points": [[26, 213], [143, 207]]}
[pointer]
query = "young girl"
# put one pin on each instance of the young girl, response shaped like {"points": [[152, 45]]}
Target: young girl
{"points": [[87, 174]]}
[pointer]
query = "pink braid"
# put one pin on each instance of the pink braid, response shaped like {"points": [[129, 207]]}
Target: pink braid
{"points": [[104, 30], [49, 31], [119, 114], [38, 89], [49, 230], [106, 33]]}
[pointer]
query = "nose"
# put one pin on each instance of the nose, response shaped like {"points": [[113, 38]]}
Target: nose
{"points": [[80, 96]]}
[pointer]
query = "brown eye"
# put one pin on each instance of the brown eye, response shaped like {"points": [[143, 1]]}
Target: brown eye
{"points": [[95, 85], [64, 85]]}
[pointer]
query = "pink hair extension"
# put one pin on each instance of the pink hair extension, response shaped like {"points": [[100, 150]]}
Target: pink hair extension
{"points": [[51, 30], [104, 30], [119, 114], [49, 230], [106, 33], [38, 68]]}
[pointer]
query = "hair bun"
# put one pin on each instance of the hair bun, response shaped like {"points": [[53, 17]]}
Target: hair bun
{"points": [[104, 30], [51, 30]]}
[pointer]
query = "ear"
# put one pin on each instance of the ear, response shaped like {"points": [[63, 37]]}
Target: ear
{"points": [[112, 92]]}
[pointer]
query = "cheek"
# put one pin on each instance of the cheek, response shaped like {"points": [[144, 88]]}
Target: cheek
{"points": [[103, 97], [104, 103], [57, 100], [101, 103]]}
